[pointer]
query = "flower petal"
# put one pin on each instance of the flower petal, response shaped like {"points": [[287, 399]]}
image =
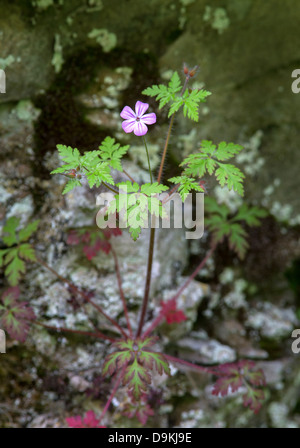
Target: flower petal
{"points": [[129, 125], [140, 108], [127, 113], [140, 128], [149, 118]]}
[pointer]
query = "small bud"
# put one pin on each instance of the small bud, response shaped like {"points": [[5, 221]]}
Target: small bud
{"points": [[185, 69], [193, 71]]}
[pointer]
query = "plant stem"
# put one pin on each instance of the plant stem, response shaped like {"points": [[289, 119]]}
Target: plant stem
{"points": [[85, 296], [117, 384], [110, 188], [152, 233], [165, 150], [160, 317], [148, 281], [128, 175], [196, 271], [122, 296], [148, 158], [97, 334], [189, 364]]}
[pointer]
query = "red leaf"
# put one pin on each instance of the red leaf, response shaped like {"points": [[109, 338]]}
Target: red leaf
{"points": [[172, 314], [92, 251], [16, 315], [73, 238], [89, 421]]}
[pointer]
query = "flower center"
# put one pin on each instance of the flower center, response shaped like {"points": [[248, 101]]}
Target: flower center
{"points": [[137, 118]]}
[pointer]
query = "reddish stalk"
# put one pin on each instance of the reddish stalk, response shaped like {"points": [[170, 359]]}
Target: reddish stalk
{"points": [[117, 384], [160, 317], [85, 296], [189, 364], [122, 296], [97, 334]]}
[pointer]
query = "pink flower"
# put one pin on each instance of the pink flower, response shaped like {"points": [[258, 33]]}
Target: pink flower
{"points": [[136, 121]]}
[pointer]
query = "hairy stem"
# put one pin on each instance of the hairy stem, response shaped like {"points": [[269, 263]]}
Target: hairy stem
{"points": [[152, 232], [97, 334], [85, 296], [148, 158], [122, 296]]}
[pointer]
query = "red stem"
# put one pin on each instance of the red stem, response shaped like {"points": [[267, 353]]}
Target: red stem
{"points": [[117, 384], [160, 317], [117, 268], [97, 334], [85, 296], [189, 364]]}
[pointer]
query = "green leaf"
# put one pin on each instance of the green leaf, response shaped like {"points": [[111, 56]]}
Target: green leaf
{"points": [[112, 152], [129, 187], [250, 215], [231, 176], [154, 360], [3, 252], [72, 183], [237, 240], [69, 155], [27, 252], [154, 188], [137, 379], [163, 93], [226, 151], [26, 233], [191, 102], [135, 233], [14, 269], [186, 185], [115, 361], [10, 230]]}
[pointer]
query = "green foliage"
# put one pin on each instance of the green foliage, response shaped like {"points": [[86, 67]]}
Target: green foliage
{"points": [[209, 160], [139, 361], [186, 185], [190, 100], [18, 250], [95, 165], [136, 203], [220, 222]]}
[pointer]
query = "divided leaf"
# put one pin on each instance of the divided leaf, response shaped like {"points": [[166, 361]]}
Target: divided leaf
{"points": [[186, 185], [15, 316], [138, 362], [221, 224], [208, 160]]}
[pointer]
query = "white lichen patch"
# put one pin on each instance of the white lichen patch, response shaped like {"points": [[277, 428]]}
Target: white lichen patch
{"points": [[26, 111], [217, 18], [6, 62], [250, 158], [57, 59], [103, 37], [22, 209], [228, 197], [273, 322]]}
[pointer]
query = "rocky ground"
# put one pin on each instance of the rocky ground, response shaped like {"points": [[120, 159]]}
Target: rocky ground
{"points": [[71, 66]]}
